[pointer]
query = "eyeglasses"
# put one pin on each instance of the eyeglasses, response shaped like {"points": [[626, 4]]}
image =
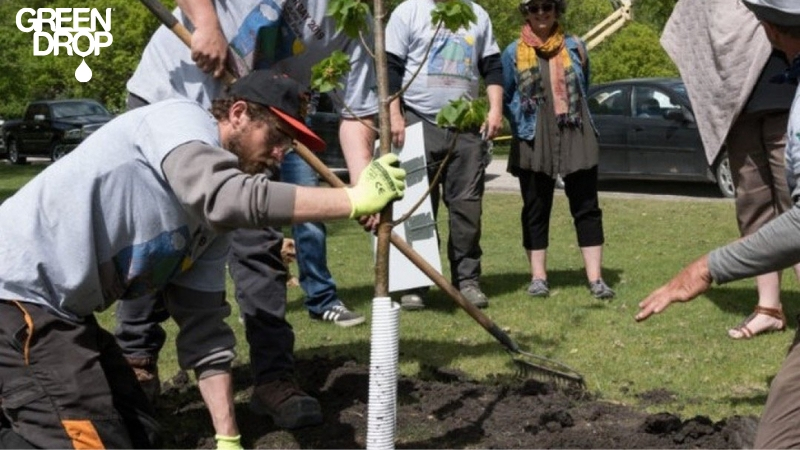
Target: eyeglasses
{"points": [[282, 138], [531, 8]]}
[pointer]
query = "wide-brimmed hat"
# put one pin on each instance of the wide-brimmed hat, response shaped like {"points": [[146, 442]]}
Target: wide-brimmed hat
{"points": [[285, 97], [778, 12]]}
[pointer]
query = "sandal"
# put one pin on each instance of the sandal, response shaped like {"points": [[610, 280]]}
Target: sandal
{"points": [[742, 331]]}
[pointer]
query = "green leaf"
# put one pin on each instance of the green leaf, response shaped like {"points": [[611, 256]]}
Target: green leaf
{"points": [[463, 114], [350, 16], [326, 75], [453, 14]]}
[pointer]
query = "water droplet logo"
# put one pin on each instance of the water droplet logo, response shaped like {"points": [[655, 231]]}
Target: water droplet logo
{"points": [[83, 73]]}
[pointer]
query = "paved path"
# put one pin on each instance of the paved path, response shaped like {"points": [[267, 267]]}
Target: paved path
{"points": [[498, 180]]}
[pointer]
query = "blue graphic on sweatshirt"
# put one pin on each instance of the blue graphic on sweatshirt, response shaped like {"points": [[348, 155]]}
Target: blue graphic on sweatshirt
{"points": [[146, 267]]}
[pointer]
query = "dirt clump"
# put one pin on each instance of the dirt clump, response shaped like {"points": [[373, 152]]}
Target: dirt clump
{"points": [[444, 409]]}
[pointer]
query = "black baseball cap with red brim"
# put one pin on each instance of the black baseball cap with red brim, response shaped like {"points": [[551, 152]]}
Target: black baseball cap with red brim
{"points": [[283, 96]]}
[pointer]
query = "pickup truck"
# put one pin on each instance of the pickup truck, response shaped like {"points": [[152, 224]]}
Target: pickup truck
{"points": [[52, 128]]}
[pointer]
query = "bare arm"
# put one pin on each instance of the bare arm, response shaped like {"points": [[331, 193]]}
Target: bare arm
{"points": [[773, 247], [692, 281], [398, 123], [357, 141], [209, 46], [494, 121], [320, 204]]}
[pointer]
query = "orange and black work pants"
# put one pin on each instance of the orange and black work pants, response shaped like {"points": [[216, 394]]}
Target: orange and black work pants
{"points": [[66, 385]]}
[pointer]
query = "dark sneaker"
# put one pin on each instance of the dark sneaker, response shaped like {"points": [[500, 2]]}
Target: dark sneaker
{"points": [[412, 300], [538, 288], [473, 293], [287, 405], [339, 315], [146, 371], [600, 290]]}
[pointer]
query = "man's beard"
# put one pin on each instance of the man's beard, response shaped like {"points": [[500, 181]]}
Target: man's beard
{"points": [[250, 167]]}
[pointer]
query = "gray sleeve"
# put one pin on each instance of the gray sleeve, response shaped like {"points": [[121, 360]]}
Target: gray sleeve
{"points": [[204, 341], [774, 246], [208, 182]]}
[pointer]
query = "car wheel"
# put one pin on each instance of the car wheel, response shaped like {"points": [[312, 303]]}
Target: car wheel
{"points": [[13, 153], [58, 152], [724, 177]]}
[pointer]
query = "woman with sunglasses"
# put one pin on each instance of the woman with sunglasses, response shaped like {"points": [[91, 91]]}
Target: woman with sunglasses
{"points": [[545, 79]]}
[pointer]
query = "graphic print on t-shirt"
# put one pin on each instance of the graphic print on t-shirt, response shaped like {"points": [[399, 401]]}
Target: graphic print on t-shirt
{"points": [[450, 61], [273, 31]]}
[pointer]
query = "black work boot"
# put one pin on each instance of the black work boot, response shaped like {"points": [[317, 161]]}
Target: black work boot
{"points": [[286, 403], [146, 371]]}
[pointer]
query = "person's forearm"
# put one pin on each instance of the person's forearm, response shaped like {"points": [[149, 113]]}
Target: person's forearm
{"points": [[357, 141], [200, 12], [494, 121], [394, 108], [320, 204], [774, 246], [495, 94], [217, 392]]}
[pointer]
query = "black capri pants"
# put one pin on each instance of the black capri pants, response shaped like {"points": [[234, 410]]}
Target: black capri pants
{"points": [[537, 202]]}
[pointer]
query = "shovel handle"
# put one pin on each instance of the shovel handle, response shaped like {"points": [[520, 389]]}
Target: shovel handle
{"points": [[166, 17]]}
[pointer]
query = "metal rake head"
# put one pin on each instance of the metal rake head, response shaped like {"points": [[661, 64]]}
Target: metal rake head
{"points": [[545, 370]]}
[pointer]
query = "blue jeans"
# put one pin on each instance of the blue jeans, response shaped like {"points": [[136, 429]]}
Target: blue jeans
{"points": [[309, 240]]}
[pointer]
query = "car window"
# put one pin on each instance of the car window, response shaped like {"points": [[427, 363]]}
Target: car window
{"points": [[34, 110], [651, 102], [76, 109], [609, 101]]}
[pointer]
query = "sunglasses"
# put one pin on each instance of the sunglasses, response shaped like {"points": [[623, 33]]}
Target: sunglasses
{"points": [[531, 8]]}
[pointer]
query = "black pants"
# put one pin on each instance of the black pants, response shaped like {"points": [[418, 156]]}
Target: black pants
{"points": [[66, 385], [259, 275], [461, 188], [537, 203]]}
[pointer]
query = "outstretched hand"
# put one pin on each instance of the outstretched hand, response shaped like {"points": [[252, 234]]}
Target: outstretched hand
{"points": [[692, 281], [381, 182]]}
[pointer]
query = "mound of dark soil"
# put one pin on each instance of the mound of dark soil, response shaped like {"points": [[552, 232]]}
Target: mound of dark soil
{"points": [[445, 410]]}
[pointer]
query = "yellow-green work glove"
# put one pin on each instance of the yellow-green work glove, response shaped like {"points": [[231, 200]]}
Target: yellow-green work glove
{"points": [[381, 182], [228, 442]]}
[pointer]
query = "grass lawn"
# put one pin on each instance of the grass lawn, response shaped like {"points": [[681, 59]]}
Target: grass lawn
{"points": [[685, 351]]}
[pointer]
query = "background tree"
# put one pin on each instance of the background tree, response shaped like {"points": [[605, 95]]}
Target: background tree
{"points": [[653, 13], [25, 77], [633, 51]]}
